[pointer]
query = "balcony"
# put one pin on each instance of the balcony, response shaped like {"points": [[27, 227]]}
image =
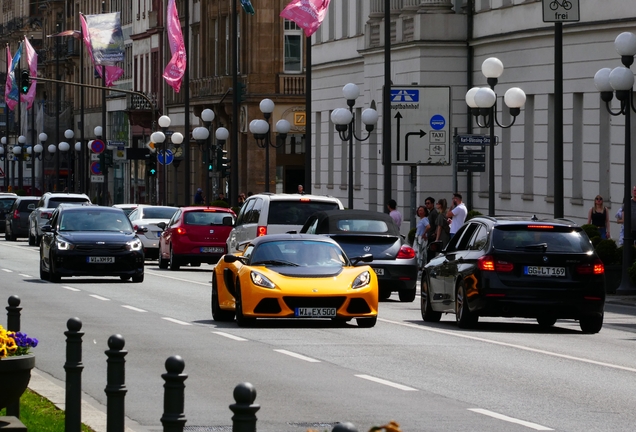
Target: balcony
{"points": [[140, 109], [291, 84]]}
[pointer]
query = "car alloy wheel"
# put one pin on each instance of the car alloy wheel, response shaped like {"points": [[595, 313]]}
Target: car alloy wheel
{"points": [[428, 314], [464, 317], [218, 314]]}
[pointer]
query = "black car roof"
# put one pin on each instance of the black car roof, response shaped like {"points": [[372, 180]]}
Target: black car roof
{"points": [[329, 219], [524, 220]]}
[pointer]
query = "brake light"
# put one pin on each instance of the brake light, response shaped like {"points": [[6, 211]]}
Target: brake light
{"points": [[406, 252], [488, 263], [261, 231], [596, 268], [180, 231], [540, 227], [16, 214]]}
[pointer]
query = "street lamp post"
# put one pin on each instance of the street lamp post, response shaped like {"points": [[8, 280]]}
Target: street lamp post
{"points": [[201, 135], [164, 123], [621, 81], [344, 120], [483, 103], [64, 147], [177, 139], [77, 159], [261, 131], [158, 138], [68, 134], [17, 151], [207, 116], [38, 149]]}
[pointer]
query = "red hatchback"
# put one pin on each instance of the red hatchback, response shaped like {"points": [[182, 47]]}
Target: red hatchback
{"points": [[195, 235]]}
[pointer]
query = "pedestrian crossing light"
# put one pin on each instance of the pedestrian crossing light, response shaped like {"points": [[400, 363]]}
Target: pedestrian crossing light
{"points": [[25, 82], [152, 167]]}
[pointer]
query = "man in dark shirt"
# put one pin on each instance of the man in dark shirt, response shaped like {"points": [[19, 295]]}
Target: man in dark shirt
{"points": [[432, 217]]}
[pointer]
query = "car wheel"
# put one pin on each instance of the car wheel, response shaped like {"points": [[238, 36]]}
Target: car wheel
{"points": [[591, 324], [44, 275], [428, 314], [407, 296], [138, 278], [218, 314], [54, 277], [163, 263], [31, 239], [241, 320], [174, 264], [124, 278], [546, 321], [366, 322], [464, 317], [384, 293]]}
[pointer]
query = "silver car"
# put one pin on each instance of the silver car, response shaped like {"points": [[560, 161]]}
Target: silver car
{"points": [[145, 219]]}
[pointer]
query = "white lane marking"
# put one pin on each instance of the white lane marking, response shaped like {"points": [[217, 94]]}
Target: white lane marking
{"points": [[133, 308], [70, 288], [230, 336], [7, 270], [162, 274], [298, 356], [510, 419], [24, 275], [388, 383], [506, 344], [99, 297], [176, 321]]}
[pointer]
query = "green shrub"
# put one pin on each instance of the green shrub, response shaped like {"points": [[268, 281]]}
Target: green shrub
{"points": [[619, 255], [220, 203], [411, 236], [607, 251], [591, 231], [473, 213]]}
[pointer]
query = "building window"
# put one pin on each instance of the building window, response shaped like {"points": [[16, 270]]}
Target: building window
{"points": [[293, 48]]}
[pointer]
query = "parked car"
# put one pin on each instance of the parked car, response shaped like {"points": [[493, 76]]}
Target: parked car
{"points": [[17, 219], [44, 209], [363, 231], [194, 235], [145, 219], [516, 267], [127, 208], [266, 213], [90, 241], [294, 276], [6, 201]]}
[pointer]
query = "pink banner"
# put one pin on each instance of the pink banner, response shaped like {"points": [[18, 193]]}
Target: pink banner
{"points": [[32, 62], [9, 83], [113, 73], [12, 93], [175, 69], [308, 14]]}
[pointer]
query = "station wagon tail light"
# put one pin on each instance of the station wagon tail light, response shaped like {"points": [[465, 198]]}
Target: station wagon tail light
{"points": [[406, 252], [489, 263], [180, 231], [596, 268], [261, 231], [16, 214]]}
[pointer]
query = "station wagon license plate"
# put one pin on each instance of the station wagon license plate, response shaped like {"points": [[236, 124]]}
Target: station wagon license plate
{"points": [[212, 250], [379, 271], [100, 260], [544, 271], [315, 312]]}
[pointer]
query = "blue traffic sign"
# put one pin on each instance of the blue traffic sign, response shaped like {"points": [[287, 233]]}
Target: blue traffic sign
{"points": [[96, 169], [98, 146], [169, 157], [438, 122]]}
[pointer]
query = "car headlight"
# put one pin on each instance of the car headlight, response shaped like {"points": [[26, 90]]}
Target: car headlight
{"points": [[261, 281], [362, 280], [134, 245], [62, 244]]}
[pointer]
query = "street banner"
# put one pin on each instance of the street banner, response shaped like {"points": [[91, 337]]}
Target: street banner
{"points": [[175, 69], [247, 6], [308, 14], [32, 62], [106, 38], [12, 93], [113, 73]]}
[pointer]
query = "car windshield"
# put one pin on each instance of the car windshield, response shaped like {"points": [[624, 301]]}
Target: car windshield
{"points": [[205, 218], [158, 213], [552, 239], [94, 220], [298, 253], [295, 212]]}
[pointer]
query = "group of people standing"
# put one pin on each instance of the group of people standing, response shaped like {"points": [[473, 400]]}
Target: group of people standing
{"points": [[437, 222], [598, 216]]}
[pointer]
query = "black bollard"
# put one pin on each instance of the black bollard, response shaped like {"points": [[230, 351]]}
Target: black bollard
{"points": [[13, 324], [344, 427], [73, 368], [173, 418], [244, 418], [115, 384], [13, 314]]}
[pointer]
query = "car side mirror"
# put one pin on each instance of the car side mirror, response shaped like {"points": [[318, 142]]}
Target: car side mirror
{"points": [[228, 221], [161, 225], [233, 258], [364, 258], [47, 228]]}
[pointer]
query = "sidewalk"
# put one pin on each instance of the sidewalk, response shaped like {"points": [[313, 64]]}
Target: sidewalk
{"points": [[625, 300]]}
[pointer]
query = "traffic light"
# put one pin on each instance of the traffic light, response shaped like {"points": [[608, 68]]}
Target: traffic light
{"points": [[25, 82], [241, 92], [223, 163], [151, 167]]}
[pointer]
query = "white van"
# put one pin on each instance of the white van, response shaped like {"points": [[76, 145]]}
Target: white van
{"points": [[268, 213]]}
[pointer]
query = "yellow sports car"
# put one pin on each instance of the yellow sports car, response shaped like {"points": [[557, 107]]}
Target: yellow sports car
{"points": [[294, 276]]}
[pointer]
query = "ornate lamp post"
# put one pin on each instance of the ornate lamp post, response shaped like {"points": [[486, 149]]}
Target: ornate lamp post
{"points": [[483, 103], [68, 134], [158, 138], [621, 81], [222, 134], [201, 135], [177, 139], [164, 123], [64, 147], [344, 120], [17, 151], [77, 184], [38, 149], [261, 131]]}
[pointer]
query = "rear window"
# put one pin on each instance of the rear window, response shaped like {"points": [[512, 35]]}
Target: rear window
{"points": [[159, 213], [24, 205], [361, 225], [295, 212], [55, 202], [6, 203], [205, 218], [555, 239]]}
